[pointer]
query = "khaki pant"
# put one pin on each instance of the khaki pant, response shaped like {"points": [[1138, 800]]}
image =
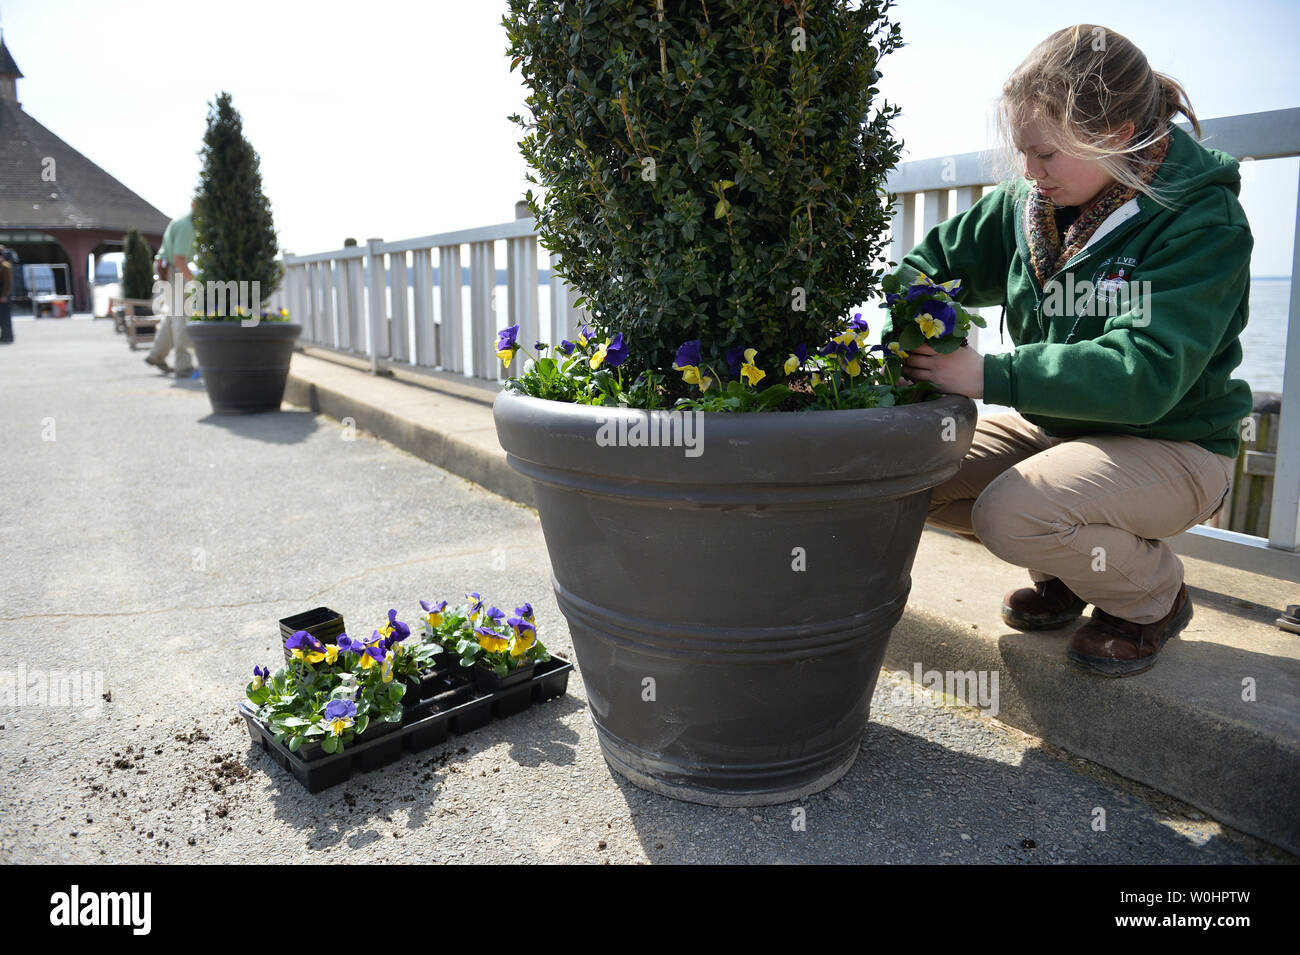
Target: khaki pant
{"points": [[1091, 511], [171, 333]]}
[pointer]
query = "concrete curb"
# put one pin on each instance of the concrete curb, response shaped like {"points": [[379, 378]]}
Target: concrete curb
{"points": [[428, 441], [1179, 728], [1143, 728]]}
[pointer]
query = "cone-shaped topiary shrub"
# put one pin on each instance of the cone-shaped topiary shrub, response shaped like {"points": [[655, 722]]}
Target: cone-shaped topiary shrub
{"points": [[713, 171], [137, 270], [234, 233]]}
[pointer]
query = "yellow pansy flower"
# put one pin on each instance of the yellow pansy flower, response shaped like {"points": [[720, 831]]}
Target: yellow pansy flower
{"points": [[749, 371], [930, 326], [491, 642]]}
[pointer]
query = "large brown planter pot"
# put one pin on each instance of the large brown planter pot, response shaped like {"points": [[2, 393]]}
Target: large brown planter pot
{"points": [[244, 368], [730, 610]]}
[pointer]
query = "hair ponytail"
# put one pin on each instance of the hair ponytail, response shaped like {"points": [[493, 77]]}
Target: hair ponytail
{"points": [[1175, 101]]}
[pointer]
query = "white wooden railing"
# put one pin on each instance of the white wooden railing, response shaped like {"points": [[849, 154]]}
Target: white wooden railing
{"points": [[378, 300], [334, 295]]}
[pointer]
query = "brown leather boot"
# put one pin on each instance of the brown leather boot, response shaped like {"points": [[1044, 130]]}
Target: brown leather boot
{"points": [[1114, 647], [1045, 606]]}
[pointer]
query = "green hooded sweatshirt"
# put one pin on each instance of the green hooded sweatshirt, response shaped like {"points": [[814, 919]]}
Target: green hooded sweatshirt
{"points": [[1160, 368]]}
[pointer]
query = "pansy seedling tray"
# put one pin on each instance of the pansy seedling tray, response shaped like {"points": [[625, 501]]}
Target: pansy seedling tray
{"points": [[430, 726]]}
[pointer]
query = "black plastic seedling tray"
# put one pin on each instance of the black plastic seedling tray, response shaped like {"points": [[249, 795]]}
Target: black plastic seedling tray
{"points": [[425, 724]]}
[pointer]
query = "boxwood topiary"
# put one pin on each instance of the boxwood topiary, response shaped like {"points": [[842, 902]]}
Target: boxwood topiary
{"points": [[713, 169]]}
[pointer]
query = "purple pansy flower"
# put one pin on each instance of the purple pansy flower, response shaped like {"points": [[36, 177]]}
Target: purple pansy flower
{"points": [[506, 338], [304, 641], [347, 645], [688, 355], [399, 631], [735, 358], [615, 352], [340, 709], [941, 312]]}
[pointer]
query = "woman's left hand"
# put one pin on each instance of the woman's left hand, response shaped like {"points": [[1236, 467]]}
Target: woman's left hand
{"points": [[958, 373]]}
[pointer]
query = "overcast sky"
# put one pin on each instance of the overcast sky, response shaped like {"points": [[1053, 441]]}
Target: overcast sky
{"points": [[389, 119]]}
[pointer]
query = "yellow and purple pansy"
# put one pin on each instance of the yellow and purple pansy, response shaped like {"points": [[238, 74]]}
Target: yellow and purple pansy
{"points": [[525, 635], [339, 715], [490, 640], [303, 646], [688, 363], [433, 612], [507, 344], [796, 359]]}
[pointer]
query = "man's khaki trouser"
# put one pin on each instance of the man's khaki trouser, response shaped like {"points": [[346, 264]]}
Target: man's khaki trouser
{"points": [[1091, 510], [171, 333]]}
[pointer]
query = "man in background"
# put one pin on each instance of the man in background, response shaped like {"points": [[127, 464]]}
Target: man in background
{"points": [[6, 286], [174, 261]]}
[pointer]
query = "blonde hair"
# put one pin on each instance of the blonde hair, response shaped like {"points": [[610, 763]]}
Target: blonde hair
{"points": [[1084, 83]]}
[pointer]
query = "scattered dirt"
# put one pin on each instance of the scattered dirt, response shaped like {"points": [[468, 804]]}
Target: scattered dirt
{"points": [[228, 770]]}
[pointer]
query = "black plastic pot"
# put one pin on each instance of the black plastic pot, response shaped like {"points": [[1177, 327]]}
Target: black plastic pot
{"points": [[308, 752], [754, 578], [421, 687], [244, 368], [551, 679], [322, 623], [488, 681]]}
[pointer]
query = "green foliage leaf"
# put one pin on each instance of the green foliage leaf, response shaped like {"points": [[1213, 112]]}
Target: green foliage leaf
{"points": [[911, 337], [773, 396]]}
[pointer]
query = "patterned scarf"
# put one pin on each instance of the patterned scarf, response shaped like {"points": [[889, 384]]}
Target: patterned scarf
{"points": [[1047, 250]]}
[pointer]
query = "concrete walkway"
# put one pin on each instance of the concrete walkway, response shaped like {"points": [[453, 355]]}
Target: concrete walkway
{"points": [[156, 545]]}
